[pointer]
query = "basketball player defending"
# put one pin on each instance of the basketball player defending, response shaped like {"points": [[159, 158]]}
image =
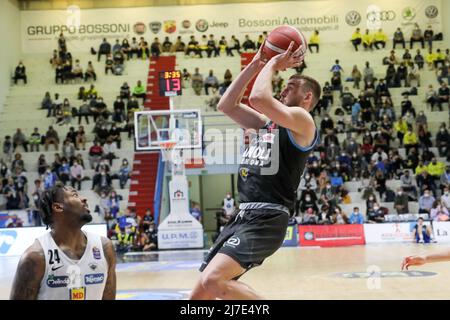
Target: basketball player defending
{"points": [[421, 260], [66, 263], [259, 227]]}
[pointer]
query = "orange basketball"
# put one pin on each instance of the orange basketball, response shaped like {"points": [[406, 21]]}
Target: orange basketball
{"points": [[279, 39]]}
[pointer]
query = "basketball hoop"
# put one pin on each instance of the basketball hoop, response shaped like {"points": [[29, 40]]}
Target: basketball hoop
{"points": [[166, 148]]}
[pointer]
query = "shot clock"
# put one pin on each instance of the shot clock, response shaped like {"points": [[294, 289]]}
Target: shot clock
{"points": [[170, 83]]}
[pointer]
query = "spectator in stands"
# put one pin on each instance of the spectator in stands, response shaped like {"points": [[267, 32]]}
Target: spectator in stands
{"points": [[7, 149], [49, 179], [308, 203], [63, 172], [42, 165], [134, 48], [68, 150], [407, 184], [347, 99], [193, 47], [428, 36], [19, 139], [20, 73], [197, 82], [328, 196], [166, 45], [234, 45], [114, 134], [46, 102], [432, 98], [430, 58], [102, 182], [144, 50], [109, 64], [211, 82], [368, 73], [356, 217], [367, 40], [398, 38], [339, 217], [336, 82], [124, 173], [35, 140], [410, 140], [336, 67], [118, 66], [439, 60], [196, 212], [132, 104], [426, 202], [84, 111], [416, 36], [95, 154], [212, 47], [156, 48], [104, 49], [418, 58], [76, 174], [356, 39], [414, 74], [92, 92], [442, 139], [443, 72], [125, 48], [379, 38], [421, 233], [77, 70], [401, 202], [356, 76], [314, 41], [125, 91], [249, 45], [139, 91], [439, 212], [436, 169], [179, 45], [227, 79], [443, 94], [90, 72], [445, 198], [109, 150]]}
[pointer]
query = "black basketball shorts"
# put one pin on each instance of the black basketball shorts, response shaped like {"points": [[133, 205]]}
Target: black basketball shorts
{"points": [[251, 237]]}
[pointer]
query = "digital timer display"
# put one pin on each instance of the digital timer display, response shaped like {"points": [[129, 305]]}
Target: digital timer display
{"points": [[170, 83]]}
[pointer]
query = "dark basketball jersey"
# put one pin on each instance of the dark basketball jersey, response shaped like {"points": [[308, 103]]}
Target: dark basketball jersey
{"points": [[272, 165]]}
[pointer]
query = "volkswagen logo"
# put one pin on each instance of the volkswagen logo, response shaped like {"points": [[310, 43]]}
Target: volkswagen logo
{"points": [[353, 18], [380, 16], [431, 12], [409, 13]]}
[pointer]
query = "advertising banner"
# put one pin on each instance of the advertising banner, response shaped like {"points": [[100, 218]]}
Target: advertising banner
{"points": [[331, 235], [390, 232], [441, 231], [14, 241], [335, 21], [291, 236]]}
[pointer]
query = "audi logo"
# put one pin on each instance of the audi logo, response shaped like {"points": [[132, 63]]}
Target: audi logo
{"points": [[381, 16]]}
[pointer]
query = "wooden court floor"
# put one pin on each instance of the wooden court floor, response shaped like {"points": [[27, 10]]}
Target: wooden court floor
{"points": [[358, 272]]}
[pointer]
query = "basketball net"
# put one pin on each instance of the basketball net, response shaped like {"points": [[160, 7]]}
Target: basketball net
{"points": [[172, 155]]}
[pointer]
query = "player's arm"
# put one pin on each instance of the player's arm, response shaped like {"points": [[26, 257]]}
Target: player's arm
{"points": [[421, 260], [109, 293], [29, 274], [297, 119], [230, 102]]}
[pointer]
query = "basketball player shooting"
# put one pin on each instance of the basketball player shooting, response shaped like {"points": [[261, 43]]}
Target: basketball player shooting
{"points": [[66, 263], [259, 227]]}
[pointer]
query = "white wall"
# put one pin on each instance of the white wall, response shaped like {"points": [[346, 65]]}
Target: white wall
{"points": [[446, 21], [10, 40]]}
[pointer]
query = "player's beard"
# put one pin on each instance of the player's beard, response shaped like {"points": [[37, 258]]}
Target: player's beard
{"points": [[86, 217]]}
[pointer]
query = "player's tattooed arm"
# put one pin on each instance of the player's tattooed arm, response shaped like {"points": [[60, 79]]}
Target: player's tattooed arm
{"points": [[29, 274], [109, 293]]}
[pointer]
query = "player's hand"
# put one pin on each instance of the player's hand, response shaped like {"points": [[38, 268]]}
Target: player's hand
{"points": [[259, 57], [288, 59], [412, 261]]}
